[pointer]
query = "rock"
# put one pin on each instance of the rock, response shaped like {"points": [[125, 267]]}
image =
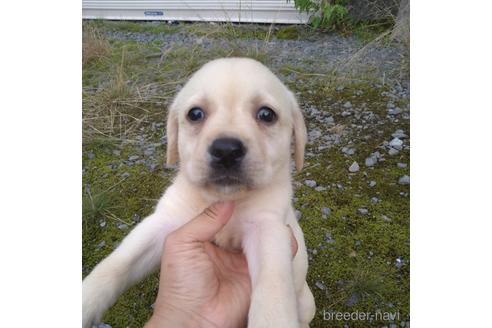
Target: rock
{"points": [[401, 165], [314, 134], [392, 325], [393, 152], [136, 218], [374, 200], [320, 285], [116, 152], [396, 143], [329, 120], [91, 155], [101, 244], [122, 226], [404, 180], [348, 104], [149, 151], [385, 218], [326, 211], [394, 111], [329, 239], [298, 214], [102, 224], [372, 183], [348, 151], [310, 183], [400, 134], [371, 161], [125, 175], [363, 211], [399, 262], [340, 88], [320, 188], [346, 113], [354, 299], [390, 105], [103, 325], [133, 158], [354, 167]]}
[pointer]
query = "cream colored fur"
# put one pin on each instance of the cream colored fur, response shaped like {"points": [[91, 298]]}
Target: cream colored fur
{"points": [[230, 91]]}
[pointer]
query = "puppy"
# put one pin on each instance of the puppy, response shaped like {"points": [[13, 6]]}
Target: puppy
{"points": [[231, 128]]}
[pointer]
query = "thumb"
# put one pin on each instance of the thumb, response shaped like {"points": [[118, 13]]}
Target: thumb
{"points": [[207, 224]]}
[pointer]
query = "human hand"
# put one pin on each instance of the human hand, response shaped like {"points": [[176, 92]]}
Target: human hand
{"points": [[201, 284]]}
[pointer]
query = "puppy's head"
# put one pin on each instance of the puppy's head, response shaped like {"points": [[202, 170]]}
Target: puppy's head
{"points": [[231, 127]]}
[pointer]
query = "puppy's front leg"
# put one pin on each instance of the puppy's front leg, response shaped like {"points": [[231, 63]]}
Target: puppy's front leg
{"points": [[268, 251], [138, 254]]}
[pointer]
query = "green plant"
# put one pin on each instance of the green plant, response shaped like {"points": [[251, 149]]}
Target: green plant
{"points": [[328, 14]]}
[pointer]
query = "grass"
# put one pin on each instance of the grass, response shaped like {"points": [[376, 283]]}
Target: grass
{"points": [[126, 91]]}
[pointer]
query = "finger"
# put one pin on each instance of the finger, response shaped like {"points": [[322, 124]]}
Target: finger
{"points": [[293, 242], [207, 224]]}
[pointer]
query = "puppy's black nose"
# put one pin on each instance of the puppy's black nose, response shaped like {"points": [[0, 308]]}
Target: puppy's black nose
{"points": [[226, 153]]}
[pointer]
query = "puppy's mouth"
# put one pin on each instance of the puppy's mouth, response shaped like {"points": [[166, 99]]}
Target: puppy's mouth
{"points": [[226, 179]]}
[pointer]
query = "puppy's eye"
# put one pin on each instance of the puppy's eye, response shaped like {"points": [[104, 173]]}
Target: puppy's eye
{"points": [[196, 114], [266, 115]]}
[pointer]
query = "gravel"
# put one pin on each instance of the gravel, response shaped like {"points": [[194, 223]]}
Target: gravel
{"points": [[371, 161], [354, 167], [404, 180], [310, 183], [396, 143], [330, 51]]}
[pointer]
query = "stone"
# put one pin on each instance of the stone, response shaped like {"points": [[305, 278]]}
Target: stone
{"points": [[393, 152], [125, 175], [371, 161], [310, 183], [320, 188], [374, 200], [90, 155], [401, 165], [404, 180], [101, 244], [394, 111], [348, 151], [385, 218], [326, 211], [329, 239], [298, 214], [399, 134], [116, 152], [133, 158], [399, 262], [346, 113], [353, 299], [354, 167], [348, 104], [372, 183], [149, 151], [122, 226], [396, 143], [320, 285], [363, 211]]}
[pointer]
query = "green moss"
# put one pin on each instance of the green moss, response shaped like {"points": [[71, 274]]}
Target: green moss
{"points": [[288, 33]]}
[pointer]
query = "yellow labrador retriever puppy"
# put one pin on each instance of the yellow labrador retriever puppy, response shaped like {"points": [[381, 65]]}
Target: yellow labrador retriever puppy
{"points": [[231, 128]]}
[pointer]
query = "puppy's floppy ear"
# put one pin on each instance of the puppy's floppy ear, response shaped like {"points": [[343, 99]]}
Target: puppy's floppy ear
{"points": [[300, 134], [172, 154]]}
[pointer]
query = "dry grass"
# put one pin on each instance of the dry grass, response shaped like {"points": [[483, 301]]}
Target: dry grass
{"points": [[94, 45]]}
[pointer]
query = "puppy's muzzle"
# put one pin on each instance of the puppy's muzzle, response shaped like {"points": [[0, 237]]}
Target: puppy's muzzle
{"points": [[226, 154]]}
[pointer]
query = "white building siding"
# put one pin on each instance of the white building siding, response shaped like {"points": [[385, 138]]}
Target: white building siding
{"points": [[267, 11]]}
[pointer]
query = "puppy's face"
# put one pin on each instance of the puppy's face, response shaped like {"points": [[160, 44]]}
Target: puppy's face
{"points": [[231, 127]]}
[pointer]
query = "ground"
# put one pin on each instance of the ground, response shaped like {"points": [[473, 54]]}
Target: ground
{"points": [[352, 198]]}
